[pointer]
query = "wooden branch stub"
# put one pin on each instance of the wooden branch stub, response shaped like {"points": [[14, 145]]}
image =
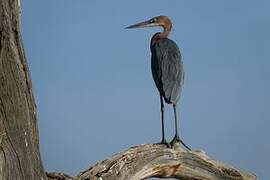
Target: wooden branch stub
{"points": [[145, 161], [58, 176]]}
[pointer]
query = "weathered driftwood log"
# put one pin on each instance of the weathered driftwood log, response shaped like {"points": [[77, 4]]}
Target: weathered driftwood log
{"points": [[145, 161]]}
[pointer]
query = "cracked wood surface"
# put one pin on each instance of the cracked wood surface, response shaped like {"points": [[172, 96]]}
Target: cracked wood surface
{"points": [[145, 161], [19, 146]]}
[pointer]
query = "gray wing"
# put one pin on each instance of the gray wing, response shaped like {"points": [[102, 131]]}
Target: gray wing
{"points": [[167, 69]]}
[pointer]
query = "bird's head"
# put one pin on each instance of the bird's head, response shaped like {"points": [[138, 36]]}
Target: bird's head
{"points": [[162, 21]]}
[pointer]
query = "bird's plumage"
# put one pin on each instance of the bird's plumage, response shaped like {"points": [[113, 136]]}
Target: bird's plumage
{"points": [[167, 69]]}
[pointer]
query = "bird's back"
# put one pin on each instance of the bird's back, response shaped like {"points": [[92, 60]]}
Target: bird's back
{"points": [[167, 69]]}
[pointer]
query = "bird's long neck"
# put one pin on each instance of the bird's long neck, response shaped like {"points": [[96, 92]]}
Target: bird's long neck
{"points": [[166, 31]]}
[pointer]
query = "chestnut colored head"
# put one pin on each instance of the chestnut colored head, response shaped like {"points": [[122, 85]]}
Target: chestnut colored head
{"points": [[162, 21]]}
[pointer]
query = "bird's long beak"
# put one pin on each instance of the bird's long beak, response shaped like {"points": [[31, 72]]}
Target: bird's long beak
{"points": [[144, 24]]}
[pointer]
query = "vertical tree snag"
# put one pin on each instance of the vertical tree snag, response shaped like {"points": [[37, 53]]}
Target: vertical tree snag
{"points": [[19, 144]]}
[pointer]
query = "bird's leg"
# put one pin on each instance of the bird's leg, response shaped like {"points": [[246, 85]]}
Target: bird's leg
{"points": [[163, 140], [176, 138], [162, 119]]}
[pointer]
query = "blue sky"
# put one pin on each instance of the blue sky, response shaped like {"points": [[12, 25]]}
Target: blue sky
{"points": [[94, 89]]}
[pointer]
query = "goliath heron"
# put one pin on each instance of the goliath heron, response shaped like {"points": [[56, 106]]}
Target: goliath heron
{"points": [[167, 68]]}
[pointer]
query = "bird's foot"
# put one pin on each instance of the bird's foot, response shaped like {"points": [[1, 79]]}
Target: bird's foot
{"points": [[164, 142], [177, 140]]}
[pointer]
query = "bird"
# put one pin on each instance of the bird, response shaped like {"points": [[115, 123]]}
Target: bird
{"points": [[167, 69]]}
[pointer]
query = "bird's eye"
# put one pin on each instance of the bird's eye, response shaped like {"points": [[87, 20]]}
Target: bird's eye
{"points": [[154, 20]]}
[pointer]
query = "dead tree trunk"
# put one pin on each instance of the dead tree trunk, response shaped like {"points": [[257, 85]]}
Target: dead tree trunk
{"points": [[19, 144]]}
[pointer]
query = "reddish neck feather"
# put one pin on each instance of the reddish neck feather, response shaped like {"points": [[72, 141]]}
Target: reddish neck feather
{"points": [[166, 31]]}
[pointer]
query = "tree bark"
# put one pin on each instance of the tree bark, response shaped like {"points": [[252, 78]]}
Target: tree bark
{"points": [[19, 145]]}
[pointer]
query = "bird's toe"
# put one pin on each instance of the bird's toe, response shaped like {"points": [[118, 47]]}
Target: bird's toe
{"points": [[176, 141], [164, 142]]}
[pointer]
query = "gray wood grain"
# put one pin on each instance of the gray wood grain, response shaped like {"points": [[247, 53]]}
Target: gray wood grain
{"points": [[19, 146], [145, 161]]}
